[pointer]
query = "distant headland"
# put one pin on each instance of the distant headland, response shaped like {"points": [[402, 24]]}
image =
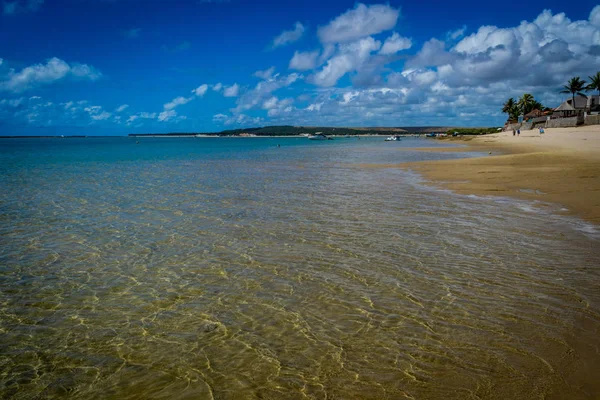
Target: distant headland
{"points": [[288, 130]]}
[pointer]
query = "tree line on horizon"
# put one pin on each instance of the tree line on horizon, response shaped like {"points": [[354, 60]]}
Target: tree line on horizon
{"points": [[527, 103]]}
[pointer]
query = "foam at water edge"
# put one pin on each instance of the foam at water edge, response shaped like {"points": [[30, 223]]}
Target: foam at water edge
{"points": [[529, 206]]}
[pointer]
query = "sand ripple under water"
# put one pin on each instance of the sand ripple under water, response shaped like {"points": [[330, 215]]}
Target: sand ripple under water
{"points": [[260, 277]]}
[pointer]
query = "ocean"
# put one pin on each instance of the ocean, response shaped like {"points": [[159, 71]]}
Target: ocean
{"points": [[231, 268]]}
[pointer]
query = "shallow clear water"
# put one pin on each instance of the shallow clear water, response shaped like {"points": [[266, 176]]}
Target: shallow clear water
{"points": [[234, 269]]}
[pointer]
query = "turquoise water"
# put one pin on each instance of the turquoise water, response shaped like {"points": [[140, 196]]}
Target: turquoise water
{"points": [[235, 269]]}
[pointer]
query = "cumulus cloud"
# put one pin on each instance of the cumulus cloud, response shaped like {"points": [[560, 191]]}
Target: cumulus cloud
{"points": [[122, 108], [200, 90], [231, 91], [595, 16], [178, 101], [463, 81], [37, 75], [303, 61], [167, 115], [96, 113], [142, 115], [359, 22], [433, 53], [287, 37], [456, 34], [394, 44], [101, 116], [266, 74], [238, 120], [217, 87], [349, 58], [219, 117], [263, 91], [544, 52]]}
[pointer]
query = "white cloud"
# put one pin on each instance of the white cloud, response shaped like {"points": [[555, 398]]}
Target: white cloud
{"points": [[122, 108], [217, 87], [270, 103], [238, 120], [595, 16], [142, 115], [167, 115], [54, 70], [12, 102], [359, 22], [433, 53], [452, 82], [220, 117], [266, 74], [93, 109], [287, 37], [394, 44], [315, 107], [303, 61], [348, 58], [231, 91], [96, 113], [255, 98], [101, 116], [200, 90], [178, 101], [456, 34]]}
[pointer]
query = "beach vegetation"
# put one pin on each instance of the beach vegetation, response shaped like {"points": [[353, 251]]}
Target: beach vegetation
{"points": [[576, 85], [526, 103], [594, 83], [512, 109], [473, 131]]}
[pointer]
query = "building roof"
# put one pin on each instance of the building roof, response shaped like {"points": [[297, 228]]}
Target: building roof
{"points": [[534, 114], [566, 106], [581, 102]]}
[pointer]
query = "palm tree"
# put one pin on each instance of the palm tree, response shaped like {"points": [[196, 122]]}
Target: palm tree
{"points": [[526, 103], [576, 85], [537, 106], [594, 83], [508, 106]]}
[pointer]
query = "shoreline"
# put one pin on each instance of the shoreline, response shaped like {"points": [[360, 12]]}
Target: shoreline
{"points": [[560, 167]]}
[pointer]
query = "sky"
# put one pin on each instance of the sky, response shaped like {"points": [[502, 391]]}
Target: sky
{"points": [[113, 67]]}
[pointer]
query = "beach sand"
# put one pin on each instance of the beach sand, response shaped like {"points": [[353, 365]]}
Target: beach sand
{"points": [[561, 166]]}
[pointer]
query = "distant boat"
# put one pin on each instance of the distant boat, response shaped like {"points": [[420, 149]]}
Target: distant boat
{"points": [[393, 138], [317, 136]]}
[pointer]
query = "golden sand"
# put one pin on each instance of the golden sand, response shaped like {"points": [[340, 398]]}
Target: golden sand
{"points": [[561, 166]]}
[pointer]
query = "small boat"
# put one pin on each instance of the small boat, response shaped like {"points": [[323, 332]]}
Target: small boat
{"points": [[317, 136], [393, 138]]}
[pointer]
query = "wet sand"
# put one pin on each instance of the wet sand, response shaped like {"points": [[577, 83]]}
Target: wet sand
{"points": [[562, 167]]}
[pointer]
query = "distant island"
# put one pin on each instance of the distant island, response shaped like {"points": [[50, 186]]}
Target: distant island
{"points": [[288, 130]]}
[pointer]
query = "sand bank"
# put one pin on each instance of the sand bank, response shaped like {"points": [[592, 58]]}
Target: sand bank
{"points": [[562, 166]]}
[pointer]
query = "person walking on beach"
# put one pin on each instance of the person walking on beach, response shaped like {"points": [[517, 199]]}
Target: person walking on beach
{"points": [[519, 132], [514, 132]]}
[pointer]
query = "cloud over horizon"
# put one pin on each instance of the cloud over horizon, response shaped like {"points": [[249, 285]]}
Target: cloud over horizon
{"points": [[37, 75], [362, 65]]}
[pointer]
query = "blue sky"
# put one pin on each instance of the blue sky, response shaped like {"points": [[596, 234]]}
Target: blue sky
{"points": [[111, 67]]}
